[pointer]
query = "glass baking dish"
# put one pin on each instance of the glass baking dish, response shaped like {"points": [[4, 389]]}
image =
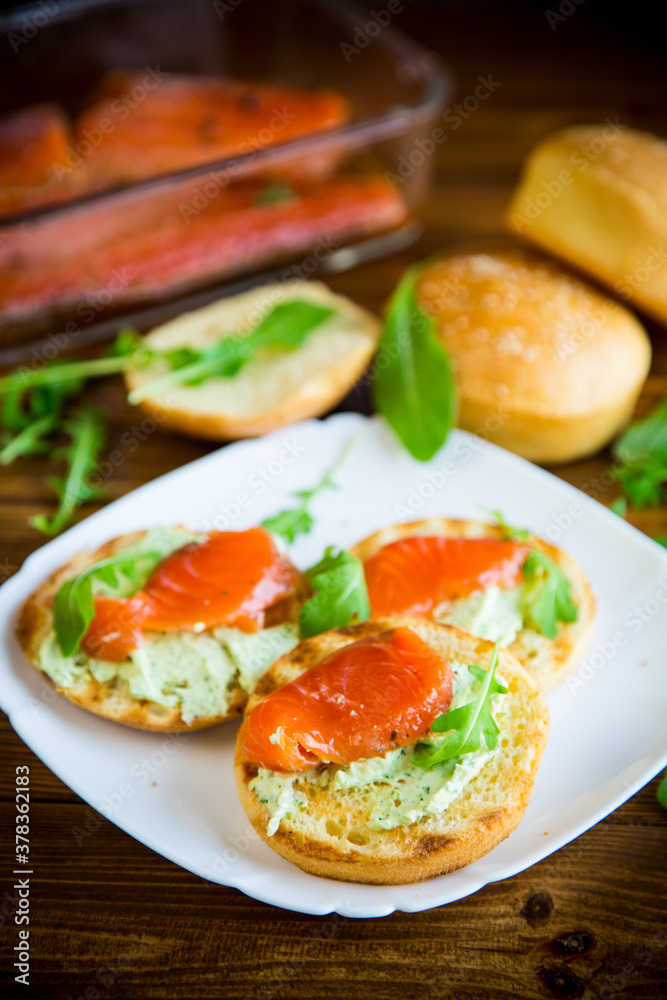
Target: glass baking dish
{"points": [[60, 52]]}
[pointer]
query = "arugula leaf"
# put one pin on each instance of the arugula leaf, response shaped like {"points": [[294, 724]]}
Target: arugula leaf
{"points": [[547, 597], [285, 327], [468, 725], [414, 386], [87, 437], [274, 193], [65, 371], [33, 414], [26, 393], [128, 343], [619, 506], [298, 520], [547, 592], [29, 441], [340, 594], [511, 533], [662, 791], [661, 540], [642, 454], [73, 606]]}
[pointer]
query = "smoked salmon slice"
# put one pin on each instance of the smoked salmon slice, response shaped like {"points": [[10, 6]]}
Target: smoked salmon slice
{"points": [[132, 247], [230, 578], [31, 142], [116, 630], [365, 699], [413, 576], [148, 123]]}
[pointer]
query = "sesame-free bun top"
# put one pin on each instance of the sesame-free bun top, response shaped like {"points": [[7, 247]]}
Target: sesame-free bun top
{"points": [[546, 365], [596, 195]]}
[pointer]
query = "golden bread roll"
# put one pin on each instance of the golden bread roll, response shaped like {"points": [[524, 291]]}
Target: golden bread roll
{"points": [[596, 195], [546, 366]]}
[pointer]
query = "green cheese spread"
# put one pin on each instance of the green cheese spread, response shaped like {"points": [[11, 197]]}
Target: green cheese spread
{"points": [[399, 793], [196, 672], [495, 614]]}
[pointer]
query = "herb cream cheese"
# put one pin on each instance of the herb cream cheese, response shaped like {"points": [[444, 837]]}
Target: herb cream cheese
{"points": [[401, 793]]}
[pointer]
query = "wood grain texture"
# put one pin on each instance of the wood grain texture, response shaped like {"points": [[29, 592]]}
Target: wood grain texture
{"points": [[114, 920]]}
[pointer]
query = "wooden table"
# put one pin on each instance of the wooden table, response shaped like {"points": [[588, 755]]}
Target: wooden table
{"points": [[112, 919]]}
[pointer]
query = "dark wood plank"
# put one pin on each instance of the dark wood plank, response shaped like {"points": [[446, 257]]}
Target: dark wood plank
{"points": [[103, 901]]}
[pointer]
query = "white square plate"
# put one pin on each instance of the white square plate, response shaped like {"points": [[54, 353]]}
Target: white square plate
{"points": [[176, 794]]}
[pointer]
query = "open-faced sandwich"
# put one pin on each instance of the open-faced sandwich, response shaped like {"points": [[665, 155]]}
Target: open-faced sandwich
{"points": [[261, 359], [165, 629], [390, 752], [496, 582]]}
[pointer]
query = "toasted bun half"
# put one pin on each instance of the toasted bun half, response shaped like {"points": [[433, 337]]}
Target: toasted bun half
{"points": [[548, 661], [596, 195], [332, 837], [270, 391], [112, 699], [546, 366]]}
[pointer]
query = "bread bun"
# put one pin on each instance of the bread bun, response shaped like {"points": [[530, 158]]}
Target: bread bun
{"points": [[546, 366], [596, 195], [332, 837], [112, 699], [548, 661], [271, 391]]}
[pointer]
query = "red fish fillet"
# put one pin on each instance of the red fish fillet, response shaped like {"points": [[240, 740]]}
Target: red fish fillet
{"points": [[143, 124], [32, 141], [230, 578], [133, 248], [361, 701], [415, 575]]}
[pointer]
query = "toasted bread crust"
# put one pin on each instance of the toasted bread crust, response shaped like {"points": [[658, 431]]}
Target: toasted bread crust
{"points": [[487, 811], [549, 661], [112, 699]]}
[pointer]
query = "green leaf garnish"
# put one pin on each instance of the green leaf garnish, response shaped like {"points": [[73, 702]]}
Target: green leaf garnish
{"points": [[285, 327], [73, 606], [619, 506], [128, 343], [66, 378], [510, 533], [33, 413], [547, 596], [547, 592], [661, 540], [340, 594], [66, 371], [29, 441], [642, 456], [298, 520], [414, 386], [274, 193], [662, 791], [86, 431], [468, 725]]}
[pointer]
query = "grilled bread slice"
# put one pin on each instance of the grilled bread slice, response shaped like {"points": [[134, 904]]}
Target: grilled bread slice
{"points": [[333, 835], [112, 699], [549, 661]]}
